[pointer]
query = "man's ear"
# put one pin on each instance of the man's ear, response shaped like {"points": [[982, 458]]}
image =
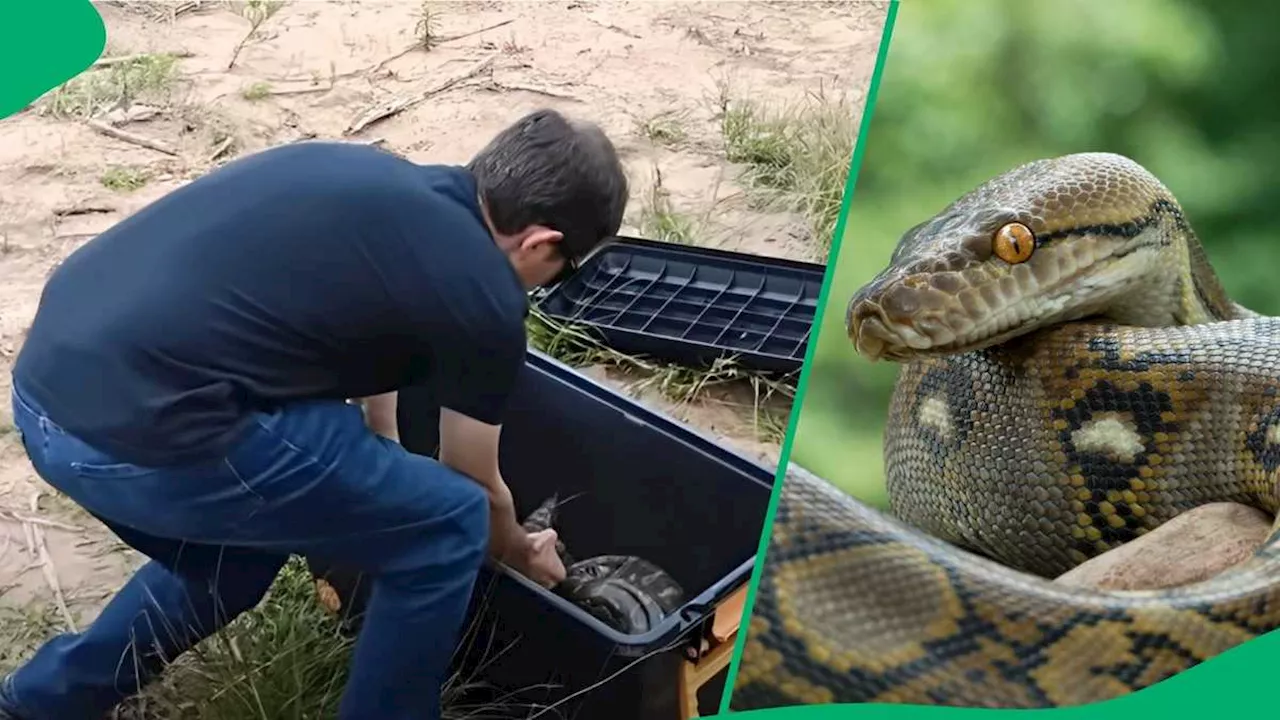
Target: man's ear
{"points": [[537, 236]]}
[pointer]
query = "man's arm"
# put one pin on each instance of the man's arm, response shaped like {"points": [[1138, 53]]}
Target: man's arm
{"points": [[471, 448]]}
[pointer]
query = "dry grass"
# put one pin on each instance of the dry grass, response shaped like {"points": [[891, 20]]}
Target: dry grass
{"points": [[795, 157]]}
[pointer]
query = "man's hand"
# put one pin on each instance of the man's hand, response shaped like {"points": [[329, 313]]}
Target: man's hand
{"points": [[541, 563]]}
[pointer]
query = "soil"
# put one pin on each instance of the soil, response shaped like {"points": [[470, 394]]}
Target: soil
{"points": [[315, 67]]}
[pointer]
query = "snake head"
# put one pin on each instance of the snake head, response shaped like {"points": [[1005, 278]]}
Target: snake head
{"points": [[1054, 240]]}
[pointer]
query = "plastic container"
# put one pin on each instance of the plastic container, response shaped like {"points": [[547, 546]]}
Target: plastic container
{"points": [[647, 486], [692, 305]]}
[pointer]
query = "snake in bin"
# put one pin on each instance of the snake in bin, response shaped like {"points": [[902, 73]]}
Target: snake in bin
{"points": [[625, 592]]}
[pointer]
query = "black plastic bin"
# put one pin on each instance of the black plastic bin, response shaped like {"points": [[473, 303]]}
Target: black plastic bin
{"points": [[692, 305], [650, 486]]}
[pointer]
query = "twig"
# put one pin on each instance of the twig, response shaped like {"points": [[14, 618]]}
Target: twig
{"points": [[122, 59], [51, 577], [300, 91], [400, 103], [28, 537], [485, 29], [495, 85], [418, 46], [222, 147], [184, 8], [129, 137], [15, 517], [83, 210], [47, 567], [615, 28]]}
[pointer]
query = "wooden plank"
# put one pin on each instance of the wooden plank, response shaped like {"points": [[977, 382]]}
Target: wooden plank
{"points": [[728, 617]]}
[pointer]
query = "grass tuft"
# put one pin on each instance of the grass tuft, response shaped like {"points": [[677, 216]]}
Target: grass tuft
{"points": [[286, 659], [256, 91], [796, 158], [147, 78], [124, 178], [659, 219], [577, 346]]}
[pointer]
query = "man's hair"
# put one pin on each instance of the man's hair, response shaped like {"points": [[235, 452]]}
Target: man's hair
{"points": [[548, 170]]}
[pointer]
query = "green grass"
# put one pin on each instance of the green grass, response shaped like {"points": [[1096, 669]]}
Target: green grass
{"points": [[124, 178], [578, 347], [285, 660], [660, 220], [146, 79], [256, 91]]}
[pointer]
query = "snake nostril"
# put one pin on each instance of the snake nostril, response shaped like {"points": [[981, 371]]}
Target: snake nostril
{"points": [[856, 313]]}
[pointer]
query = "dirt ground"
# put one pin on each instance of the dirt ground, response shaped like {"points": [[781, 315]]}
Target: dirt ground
{"points": [[316, 69]]}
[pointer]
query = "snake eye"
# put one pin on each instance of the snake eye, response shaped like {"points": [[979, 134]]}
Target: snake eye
{"points": [[1014, 243]]}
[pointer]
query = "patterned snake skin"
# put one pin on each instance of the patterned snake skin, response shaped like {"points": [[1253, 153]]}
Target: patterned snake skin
{"points": [[1073, 375]]}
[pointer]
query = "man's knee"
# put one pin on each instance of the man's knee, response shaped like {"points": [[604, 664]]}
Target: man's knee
{"points": [[473, 520], [456, 540]]}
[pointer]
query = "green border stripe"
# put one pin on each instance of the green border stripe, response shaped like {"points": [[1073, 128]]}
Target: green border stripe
{"points": [[43, 44], [837, 241]]}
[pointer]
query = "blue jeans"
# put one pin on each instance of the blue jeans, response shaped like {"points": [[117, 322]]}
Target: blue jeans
{"points": [[308, 479]]}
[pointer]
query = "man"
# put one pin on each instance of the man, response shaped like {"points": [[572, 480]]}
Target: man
{"points": [[186, 381]]}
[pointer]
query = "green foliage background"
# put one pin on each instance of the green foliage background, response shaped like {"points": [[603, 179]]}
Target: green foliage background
{"points": [[971, 89]]}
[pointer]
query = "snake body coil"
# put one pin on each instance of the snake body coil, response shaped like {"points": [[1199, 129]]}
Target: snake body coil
{"points": [[1073, 376]]}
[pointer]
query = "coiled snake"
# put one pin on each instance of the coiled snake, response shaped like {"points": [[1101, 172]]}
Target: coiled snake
{"points": [[1073, 375], [625, 592]]}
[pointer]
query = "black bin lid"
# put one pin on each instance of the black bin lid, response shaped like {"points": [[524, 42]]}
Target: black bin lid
{"points": [[692, 305]]}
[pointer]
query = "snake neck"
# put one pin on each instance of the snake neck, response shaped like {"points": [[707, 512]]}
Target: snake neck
{"points": [[1203, 297]]}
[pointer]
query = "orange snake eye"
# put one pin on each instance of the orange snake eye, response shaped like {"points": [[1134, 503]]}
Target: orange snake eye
{"points": [[1014, 243]]}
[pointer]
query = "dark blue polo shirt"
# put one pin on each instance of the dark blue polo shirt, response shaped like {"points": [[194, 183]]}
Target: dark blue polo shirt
{"points": [[312, 270]]}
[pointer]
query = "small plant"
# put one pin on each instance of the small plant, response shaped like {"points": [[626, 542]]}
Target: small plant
{"points": [[257, 12], [660, 220], [124, 179], [425, 29], [256, 91], [511, 46]]}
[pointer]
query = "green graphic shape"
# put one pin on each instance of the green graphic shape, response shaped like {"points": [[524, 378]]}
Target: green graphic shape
{"points": [[44, 43]]}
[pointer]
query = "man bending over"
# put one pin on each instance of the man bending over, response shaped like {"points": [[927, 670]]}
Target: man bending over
{"points": [[186, 381]]}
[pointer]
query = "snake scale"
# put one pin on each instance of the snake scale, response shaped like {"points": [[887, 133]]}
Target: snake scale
{"points": [[1073, 374]]}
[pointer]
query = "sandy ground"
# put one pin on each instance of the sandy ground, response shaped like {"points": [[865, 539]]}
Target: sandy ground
{"points": [[316, 68]]}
